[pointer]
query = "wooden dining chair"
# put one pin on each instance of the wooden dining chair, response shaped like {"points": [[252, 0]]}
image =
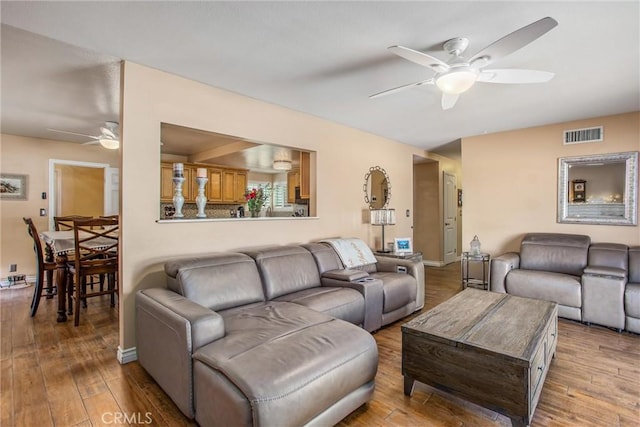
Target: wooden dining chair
{"points": [[45, 263], [96, 253], [63, 223]]}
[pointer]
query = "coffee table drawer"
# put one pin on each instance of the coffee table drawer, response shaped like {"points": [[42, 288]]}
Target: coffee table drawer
{"points": [[537, 371]]}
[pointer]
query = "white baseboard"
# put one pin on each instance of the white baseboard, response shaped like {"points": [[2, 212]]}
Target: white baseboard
{"points": [[430, 263], [127, 355]]}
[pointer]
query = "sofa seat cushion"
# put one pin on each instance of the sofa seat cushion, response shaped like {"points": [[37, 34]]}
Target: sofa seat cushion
{"points": [[342, 303], [398, 289], [632, 300], [561, 288], [282, 364]]}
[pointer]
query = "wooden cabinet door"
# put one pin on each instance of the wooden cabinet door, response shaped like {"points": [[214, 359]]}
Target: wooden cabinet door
{"points": [[305, 168], [189, 187], [241, 186], [293, 181], [214, 193], [229, 186], [166, 182]]}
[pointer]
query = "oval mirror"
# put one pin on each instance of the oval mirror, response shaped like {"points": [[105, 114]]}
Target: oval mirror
{"points": [[377, 188]]}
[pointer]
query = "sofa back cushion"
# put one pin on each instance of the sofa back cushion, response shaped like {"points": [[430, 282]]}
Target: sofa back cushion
{"points": [[613, 255], [634, 264], [555, 252], [285, 269], [326, 258], [218, 281]]}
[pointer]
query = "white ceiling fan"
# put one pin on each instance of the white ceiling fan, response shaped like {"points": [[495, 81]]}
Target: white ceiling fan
{"points": [[108, 137], [459, 74]]}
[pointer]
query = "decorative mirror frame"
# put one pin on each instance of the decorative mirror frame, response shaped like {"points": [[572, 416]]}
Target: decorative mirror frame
{"points": [[366, 180], [630, 189]]}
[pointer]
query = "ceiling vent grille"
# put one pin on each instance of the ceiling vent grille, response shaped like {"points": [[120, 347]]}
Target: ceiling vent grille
{"points": [[580, 136]]}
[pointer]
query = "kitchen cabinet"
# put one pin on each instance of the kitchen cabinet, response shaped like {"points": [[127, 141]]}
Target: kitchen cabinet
{"points": [[293, 181], [214, 186], [224, 185], [189, 187], [241, 185], [305, 169]]}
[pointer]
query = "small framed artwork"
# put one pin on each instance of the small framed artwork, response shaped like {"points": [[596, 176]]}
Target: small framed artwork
{"points": [[13, 186], [402, 245]]}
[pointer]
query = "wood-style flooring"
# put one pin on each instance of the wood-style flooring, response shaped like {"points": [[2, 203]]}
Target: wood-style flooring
{"points": [[59, 375]]}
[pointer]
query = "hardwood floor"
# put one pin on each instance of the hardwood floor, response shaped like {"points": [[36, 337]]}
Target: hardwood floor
{"points": [[59, 375]]}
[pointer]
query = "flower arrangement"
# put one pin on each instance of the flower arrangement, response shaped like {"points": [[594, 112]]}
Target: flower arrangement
{"points": [[255, 199]]}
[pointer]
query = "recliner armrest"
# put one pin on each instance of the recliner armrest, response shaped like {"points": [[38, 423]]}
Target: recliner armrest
{"points": [[371, 290], [500, 267], [345, 274], [596, 270], [169, 328]]}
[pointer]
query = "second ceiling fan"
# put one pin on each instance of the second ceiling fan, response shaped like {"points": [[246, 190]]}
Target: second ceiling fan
{"points": [[458, 74]]}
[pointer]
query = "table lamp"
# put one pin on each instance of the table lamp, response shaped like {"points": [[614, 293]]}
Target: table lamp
{"points": [[383, 217]]}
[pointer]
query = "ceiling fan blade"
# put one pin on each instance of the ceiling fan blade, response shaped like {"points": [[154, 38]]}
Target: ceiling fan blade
{"points": [[74, 133], [449, 100], [91, 142], [514, 76], [516, 40], [420, 58], [108, 133], [397, 89]]}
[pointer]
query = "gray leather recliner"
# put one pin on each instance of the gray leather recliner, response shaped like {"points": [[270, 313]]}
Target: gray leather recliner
{"points": [[549, 266], [632, 292]]}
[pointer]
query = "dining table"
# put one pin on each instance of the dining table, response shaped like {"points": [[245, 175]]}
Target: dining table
{"points": [[62, 245]]}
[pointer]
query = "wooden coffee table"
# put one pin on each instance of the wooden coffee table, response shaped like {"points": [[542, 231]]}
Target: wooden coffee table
{"points": [[488, 348]]}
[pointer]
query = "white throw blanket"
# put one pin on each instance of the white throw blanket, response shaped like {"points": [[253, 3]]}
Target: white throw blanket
{"points": [[353, 252]]}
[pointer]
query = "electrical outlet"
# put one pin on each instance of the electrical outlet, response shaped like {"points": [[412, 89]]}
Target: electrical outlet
{"points": [[43, 212], [13, 267]]}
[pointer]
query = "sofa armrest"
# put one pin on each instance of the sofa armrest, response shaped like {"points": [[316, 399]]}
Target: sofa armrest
{"points": [[371, 290], [597, 270], [169, 328], [500, 267], [415, 269], [345, 274]]}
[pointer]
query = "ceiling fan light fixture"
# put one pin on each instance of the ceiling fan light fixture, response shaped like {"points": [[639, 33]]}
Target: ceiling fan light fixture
{"points": [[456, 81], [111, 144]]}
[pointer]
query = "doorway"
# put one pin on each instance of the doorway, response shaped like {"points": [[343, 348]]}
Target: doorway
{"points": [[82, 188], [450, 218]]}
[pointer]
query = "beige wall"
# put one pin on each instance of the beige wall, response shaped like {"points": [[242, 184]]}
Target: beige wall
{"points": [[31, 156], [344, 156], [510, 182]]}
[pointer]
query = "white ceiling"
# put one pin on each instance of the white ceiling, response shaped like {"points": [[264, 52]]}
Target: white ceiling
{"points": [[322, 58]]}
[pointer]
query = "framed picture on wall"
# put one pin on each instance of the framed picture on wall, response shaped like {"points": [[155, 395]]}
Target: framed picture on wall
{"points": [[13, 186], [402, 245]]}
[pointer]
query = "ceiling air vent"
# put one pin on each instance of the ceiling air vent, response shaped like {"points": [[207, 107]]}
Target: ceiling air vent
{"points": [[580, 136]]}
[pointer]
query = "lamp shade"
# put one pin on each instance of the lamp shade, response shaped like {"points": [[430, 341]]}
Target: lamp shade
{"points": [[282, 164], [383, 216]]}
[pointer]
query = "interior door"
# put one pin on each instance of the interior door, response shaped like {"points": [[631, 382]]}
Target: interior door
{"points": [[111, 191], [450, 201]]}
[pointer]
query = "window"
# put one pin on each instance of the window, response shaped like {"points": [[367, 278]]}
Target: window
{"points": [[280, 195]]}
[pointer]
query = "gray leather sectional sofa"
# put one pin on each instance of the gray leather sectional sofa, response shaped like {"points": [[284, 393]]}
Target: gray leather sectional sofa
{"points": [[271, 337], [591, 282]]}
